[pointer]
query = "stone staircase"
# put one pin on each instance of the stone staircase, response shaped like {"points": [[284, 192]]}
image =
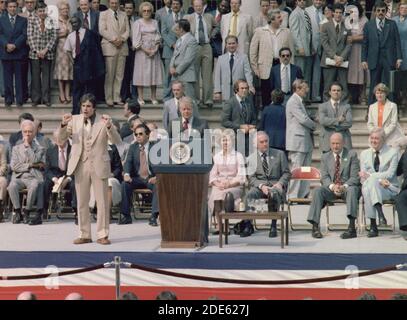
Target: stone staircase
{"points": [[51, 117]]}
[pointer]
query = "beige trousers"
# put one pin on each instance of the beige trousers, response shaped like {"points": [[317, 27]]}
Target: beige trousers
{"points": [[114, 77], [85, 176], [204, 66], [3, 188]]}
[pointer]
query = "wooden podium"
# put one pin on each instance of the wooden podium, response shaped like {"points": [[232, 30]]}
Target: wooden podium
{"points": [[183, 194]]}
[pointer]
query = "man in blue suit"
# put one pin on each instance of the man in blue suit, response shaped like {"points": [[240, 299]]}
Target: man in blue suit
{"points": [[13, 52], [381, 48], [89, 18], [284, 74]]}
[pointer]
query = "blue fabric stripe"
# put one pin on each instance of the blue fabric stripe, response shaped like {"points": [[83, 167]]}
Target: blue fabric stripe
{"points": [[200, 260]]}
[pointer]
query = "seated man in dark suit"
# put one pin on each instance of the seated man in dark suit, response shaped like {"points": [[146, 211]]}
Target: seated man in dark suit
{"points": [[340, 179], [239, 112], [188, 124], [57, 158], [131, 112], [138, 174], [284, 74], [268, 176]]}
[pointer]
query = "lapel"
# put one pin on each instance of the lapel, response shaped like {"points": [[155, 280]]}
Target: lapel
{"points": [[375, 113], [96, 128], [8, 23], [239, 23], [236, 58], [344, 161], [342, 29], [331, 163], [330, 109], [386, 29], [278, 78], [387, 110]]}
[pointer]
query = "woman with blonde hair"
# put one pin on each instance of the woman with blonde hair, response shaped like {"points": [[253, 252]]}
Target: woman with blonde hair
{"points": [[383, 114], [147, 63], [63, 71]]}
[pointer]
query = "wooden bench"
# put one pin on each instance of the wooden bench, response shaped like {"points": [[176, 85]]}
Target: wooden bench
{"points": [[280, 215]]}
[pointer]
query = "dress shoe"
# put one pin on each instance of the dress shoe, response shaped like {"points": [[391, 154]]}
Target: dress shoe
{"points": [[26, 217], [316, 233], [48, 104], [82, 241], [153, 222], [16, 217], [246, 232], [273, 232], [103, 241], [125, 220], [349, 234], [36, 220], [1, 217], [373, 232]]}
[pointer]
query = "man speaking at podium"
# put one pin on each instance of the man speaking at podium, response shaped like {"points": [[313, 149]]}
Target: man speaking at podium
{"points": [[90, 163]]}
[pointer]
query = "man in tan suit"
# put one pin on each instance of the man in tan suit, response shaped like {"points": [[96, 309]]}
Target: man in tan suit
{"points": [[237, 24], [264, 51], [114, 29], [203, 28], [90, 163]]}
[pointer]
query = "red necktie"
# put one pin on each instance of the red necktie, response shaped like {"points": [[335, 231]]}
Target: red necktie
{"points": [[77, 44], [185, 124], [218, 18], [337, 177], [86, 22]]}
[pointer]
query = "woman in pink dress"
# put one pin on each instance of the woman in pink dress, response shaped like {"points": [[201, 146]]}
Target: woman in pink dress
{"points": [[228, 173], [147, 63]]}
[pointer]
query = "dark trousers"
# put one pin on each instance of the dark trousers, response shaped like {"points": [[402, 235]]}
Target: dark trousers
{"points": [[13, 71], [40, 80], [25, 83], [265, 87], [401, 206], [127, 195], [128, 90], [378, 75], [48, 185]]}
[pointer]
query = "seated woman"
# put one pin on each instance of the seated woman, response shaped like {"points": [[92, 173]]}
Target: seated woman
{"points": [[273, 120], [228, 172], [383, 114]]}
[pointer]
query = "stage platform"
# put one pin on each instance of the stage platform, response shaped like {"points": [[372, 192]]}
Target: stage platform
{"points": [[48, 248]]}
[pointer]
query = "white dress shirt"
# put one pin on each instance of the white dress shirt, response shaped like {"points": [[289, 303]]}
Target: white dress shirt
{"points": [[70, 42], [283, 74], [196, 35]]}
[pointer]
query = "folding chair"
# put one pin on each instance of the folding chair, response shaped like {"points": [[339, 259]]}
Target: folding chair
{"points": [[141, 208], [390, 227], [310, 174]]}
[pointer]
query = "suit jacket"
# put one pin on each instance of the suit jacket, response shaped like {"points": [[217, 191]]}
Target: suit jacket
{"points": [[388, 164], [20, 162], [278, 167], [241, 70], [299, 126], [329, 124], [212, 27], [132, 164], [244, 30], [171, 112], [99, 155], [273, 122], [261, 49], [52, 162], [16, 36], [216, 42], [275, 76], [232, 116], [333, 43], [183, 59], [371, 47], [116, 166], [111, 29], [38, 40], [168, 35], [349, 168], [160, 15], [316, 39], [125, 130], [94, 19], [391, 126], [198, 126], [299, 32]]}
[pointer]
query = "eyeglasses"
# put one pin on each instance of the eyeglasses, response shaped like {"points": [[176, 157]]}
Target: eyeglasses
{"points": [[149, 10], [138, 134], [285, 55], [381, 10]]}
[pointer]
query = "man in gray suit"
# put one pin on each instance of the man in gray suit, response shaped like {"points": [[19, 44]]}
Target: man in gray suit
{"points": [[171, 107], [316, 15], [27, 161], [335, 47], [230, 67], [268, 176], [239, 113], [162, 13], [187, 125], [301, 30], [299, 140], [169, 40], [182, 65], [340, 180], [334, 116], [378, 175]]}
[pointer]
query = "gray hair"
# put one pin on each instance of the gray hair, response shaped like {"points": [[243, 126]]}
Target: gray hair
{"points": [[380, 132], [26, 123], [258, 134], [188, 101], [272, 15]]}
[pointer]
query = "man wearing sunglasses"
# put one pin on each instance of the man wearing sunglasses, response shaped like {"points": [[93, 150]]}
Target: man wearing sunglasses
{"points": [[381, 49]]}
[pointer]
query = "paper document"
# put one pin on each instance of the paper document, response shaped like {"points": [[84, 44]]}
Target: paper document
{"points": [[331, 62]]}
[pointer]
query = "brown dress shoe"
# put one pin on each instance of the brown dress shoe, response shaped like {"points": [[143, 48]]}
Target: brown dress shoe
{"points": [[104, 241], [82, 241]]}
